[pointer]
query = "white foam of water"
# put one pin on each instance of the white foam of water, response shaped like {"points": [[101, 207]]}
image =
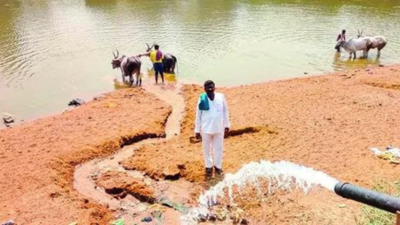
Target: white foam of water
{"points": [[280, 175]]}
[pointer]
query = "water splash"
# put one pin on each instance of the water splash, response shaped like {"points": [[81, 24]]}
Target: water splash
{"points": [[279, 175]]}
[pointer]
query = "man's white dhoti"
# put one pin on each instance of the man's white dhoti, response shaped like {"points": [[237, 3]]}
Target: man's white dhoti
{"points": [[215, 142]]}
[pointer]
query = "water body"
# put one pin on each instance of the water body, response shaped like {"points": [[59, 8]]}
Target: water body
{"points": [[52, 51]]}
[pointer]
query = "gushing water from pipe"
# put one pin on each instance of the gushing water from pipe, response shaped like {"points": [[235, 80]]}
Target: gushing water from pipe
{"points": [[279, 175]]}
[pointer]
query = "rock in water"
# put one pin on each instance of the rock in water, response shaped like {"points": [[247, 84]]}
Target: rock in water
{"points": [[8, 119], [76, 102]]}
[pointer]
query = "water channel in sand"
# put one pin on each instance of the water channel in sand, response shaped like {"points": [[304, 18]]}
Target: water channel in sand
{"points": [[130, 208]]}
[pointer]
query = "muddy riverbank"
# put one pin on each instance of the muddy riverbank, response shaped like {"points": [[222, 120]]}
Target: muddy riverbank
{"points": [[327, 122]]}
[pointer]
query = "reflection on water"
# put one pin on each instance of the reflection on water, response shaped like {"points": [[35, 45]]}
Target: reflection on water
{"points": [[168, 77], [342, 60], [118, 84], [54, 51]]}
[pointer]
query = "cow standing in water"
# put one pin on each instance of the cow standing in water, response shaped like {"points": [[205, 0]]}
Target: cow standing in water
{"points": [[169, 61], [378, 42], [355, 44], [129, 66]]}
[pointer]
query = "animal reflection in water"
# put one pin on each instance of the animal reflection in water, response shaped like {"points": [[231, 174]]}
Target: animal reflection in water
{"points": [[348, 63], [120, 84], [362, 43], [170, 78]]}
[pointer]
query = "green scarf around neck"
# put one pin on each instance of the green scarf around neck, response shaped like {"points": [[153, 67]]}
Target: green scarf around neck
{"points": [[204, 105]]}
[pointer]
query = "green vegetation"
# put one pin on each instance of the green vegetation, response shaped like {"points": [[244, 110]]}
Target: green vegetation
{"points": [[374, 216]]}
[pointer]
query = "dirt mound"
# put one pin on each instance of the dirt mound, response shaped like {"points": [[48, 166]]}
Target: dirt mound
{"points": [[37, 159], [119, 184]]}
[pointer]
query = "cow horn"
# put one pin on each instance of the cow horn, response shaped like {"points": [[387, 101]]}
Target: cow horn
{"points": [[116, 56]]}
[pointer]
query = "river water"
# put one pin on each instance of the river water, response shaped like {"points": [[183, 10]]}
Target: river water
{"points": [[52, 51]]}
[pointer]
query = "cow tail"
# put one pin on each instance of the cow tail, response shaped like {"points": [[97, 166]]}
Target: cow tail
{"points": [[176, 64]]}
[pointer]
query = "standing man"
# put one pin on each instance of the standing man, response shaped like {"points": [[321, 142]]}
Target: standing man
{"points": [[341, 37], [157, 57], [212, 125]]}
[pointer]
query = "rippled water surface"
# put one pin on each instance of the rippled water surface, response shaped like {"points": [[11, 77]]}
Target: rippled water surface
{"points": [[54, 50]]}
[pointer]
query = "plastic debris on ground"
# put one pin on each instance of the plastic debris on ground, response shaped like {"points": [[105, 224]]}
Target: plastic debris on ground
{"points": [[147, 219], [390, 154], [157, 207], [177, 206], [118, 222], [10, 222]]}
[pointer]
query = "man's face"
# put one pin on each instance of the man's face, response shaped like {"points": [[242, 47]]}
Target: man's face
{"points": [[209, 88]]}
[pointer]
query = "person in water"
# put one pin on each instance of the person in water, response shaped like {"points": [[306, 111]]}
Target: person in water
{"points": [[341, 37], [156, 57], [212, 126]]}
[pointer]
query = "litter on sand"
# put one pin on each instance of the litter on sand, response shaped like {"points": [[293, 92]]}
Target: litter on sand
{"points": [[390, 154]]}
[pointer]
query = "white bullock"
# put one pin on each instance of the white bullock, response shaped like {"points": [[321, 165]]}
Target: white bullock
{"points": [[378, 42]]}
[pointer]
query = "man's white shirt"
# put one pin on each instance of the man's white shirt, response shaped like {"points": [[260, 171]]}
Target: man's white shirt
{"points": [[215, 119]]}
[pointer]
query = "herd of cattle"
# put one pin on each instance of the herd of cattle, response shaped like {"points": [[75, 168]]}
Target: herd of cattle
{"points": [[131, 65]]}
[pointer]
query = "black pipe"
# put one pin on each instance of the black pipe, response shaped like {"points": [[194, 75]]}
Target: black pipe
{"points": [[369, 197]]}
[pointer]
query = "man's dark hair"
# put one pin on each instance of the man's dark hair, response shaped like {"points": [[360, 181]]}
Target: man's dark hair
{"points": [[343, 31], [156, 47], [208, 82]]}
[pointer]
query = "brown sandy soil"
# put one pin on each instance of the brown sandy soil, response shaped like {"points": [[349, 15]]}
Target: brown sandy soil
{"points": [[325, 122], [37, 159], [119, 184]]}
